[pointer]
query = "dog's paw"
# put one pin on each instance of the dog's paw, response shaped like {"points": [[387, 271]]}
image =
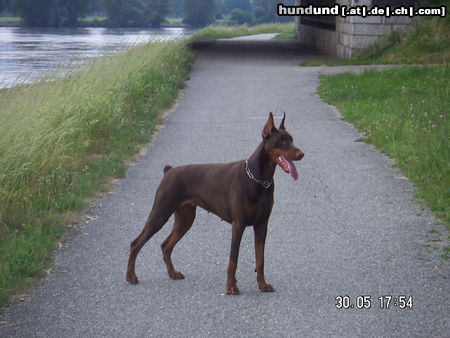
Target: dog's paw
{"points": [[232, 290], [131, 278], [176, 275], [266, 287]]}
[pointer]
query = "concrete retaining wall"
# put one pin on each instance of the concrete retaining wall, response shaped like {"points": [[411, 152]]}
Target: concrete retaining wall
{"points": [[350, 33]]}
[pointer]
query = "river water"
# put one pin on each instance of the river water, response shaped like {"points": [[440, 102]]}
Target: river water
{"points": [[27, 54]]}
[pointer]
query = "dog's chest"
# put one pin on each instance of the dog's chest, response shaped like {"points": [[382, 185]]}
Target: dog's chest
{"points": [[258, 211]]}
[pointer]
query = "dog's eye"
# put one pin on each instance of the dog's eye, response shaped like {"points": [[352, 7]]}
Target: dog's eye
{"points": [[283, 143]]}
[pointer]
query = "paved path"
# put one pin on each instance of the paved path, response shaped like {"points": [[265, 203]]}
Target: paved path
{"points": [[347, 227], [256, 37]]}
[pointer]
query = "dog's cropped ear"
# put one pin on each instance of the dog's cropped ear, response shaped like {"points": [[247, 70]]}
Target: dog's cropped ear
{"points": [[269, 127], [282, 122]]}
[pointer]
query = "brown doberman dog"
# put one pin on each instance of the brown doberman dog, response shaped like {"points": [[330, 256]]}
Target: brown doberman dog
{"points": [[240, 193]]}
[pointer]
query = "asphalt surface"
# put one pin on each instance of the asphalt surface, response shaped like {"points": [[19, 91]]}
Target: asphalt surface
{"points": [[348, 226]]}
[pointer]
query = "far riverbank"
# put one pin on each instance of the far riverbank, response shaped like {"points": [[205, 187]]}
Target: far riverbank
{"points": [[91, 22]]}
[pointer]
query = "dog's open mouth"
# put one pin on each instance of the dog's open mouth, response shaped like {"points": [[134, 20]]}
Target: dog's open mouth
{"points": [[287, 166]]}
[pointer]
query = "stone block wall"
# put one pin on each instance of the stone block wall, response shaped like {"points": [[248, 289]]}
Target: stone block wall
{"points": [[351, 32]]}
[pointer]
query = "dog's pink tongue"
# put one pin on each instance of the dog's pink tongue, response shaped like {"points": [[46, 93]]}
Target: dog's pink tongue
{"points": [[292, 170]]}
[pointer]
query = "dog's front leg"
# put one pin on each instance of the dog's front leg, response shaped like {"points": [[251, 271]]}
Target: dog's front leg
{"points": [[260, 241], [237, 232]]}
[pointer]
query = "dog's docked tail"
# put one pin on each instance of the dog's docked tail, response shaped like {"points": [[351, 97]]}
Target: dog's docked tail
{"points": [[167, 168]]}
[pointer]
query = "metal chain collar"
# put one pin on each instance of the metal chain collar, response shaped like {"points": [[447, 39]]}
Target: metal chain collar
{"points": [[265, 184]]}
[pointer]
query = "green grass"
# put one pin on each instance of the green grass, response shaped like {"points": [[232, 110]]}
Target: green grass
{"points": [[427, 42], [404, 112], [222, 32], [91, 18], [9, 18], [10, 21], [175, 20], [286, 35], [61, 140]]}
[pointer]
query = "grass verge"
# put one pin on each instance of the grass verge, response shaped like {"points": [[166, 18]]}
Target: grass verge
{"points": [[286, 35], [61, 140], [427, 42], [404, 112], [224, 32], [10, 21]]}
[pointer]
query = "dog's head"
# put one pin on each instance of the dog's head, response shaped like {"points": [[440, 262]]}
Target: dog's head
{"points": [[278, 144]]}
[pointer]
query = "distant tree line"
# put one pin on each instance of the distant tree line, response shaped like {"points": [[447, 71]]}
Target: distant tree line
{"points": [[126, 13], [256, 11], [50, 12], [58, 13], [148, 13], [199, 13], [151, 13]]}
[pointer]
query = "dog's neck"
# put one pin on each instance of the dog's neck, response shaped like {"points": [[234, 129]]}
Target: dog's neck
{"points": [[261, 165]]}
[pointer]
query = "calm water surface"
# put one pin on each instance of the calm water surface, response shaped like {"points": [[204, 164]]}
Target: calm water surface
{"points": [[27, 54]]}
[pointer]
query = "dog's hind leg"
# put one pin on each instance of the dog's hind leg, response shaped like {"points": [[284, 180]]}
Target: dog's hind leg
{"points": [[163, 208], [184, 217]]}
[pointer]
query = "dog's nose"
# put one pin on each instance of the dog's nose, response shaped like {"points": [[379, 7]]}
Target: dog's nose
{"points": [[299, 154]]}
